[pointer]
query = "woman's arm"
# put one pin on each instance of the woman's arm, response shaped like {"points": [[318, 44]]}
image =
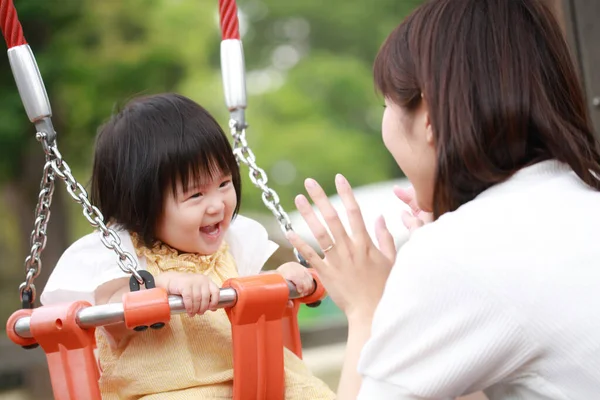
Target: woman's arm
{"points": [[350, 380], [353, 272]]}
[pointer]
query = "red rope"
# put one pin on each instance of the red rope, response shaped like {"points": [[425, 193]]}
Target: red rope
{"points": [[10, 25], [229, 19]]}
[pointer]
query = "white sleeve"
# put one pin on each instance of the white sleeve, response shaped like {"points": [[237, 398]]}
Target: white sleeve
{"points": [[249, 245], [84, 268], [436, 335]]}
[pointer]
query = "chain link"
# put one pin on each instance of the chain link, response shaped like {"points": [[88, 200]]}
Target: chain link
{"points": [[38, 238], [56, 166], [259, 178]]}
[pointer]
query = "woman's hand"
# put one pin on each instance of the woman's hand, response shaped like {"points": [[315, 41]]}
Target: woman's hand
{"points": [[416, 218], [354, 270]]}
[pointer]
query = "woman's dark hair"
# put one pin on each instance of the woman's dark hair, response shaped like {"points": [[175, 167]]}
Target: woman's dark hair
{"points": [[146, 149], [501, 90]]}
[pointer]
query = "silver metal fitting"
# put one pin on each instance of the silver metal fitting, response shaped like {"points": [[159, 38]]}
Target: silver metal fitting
{"points": [[29, 82], [45, 125], [234, 80], [31, 89]]}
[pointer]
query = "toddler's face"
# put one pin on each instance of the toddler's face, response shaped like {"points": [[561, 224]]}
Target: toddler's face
{"points": [[196, 218]]}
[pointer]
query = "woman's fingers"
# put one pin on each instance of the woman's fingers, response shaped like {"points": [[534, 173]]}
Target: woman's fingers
{"points": [[330, 215], [408, 197], [355, 218], [306, 251], [411, 222], [314, 224], [385, 239]]}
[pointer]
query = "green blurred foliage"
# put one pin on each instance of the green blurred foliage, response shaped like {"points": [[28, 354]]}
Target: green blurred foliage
{"points": [[312, 107], [317, 111]]}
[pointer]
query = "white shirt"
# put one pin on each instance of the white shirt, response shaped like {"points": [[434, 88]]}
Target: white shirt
{"points": [[502, 295], [87, 264]]}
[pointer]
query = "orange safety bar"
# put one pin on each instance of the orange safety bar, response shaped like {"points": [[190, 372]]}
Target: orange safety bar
{"points": [[289, 322], [258, 316]]}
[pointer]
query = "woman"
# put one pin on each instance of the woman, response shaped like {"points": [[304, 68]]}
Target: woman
{"points": [[501, 292]]}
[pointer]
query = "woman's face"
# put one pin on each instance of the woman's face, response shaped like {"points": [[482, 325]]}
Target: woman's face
{"points": [[408, 136]]}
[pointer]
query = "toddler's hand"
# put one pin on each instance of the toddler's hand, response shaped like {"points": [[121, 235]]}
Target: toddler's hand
{"points": [[199, 293], [299, 276]]}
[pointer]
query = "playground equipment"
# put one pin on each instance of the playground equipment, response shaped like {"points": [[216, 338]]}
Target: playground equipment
{"points": [[257, 306]]}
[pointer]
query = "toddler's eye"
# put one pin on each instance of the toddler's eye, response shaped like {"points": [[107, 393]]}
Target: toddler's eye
{"points": [[225, 183], [195, 195]]}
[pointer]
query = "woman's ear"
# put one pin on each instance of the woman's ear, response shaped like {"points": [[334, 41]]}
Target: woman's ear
{"points": [[427, 121], [428, 130]]}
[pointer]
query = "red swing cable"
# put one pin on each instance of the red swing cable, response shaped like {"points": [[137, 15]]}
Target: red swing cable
{"points": [[10, 25], [229, 20]]}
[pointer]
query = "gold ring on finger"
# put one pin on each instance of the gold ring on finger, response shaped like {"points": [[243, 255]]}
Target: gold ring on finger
{"points": [[328, 248]]}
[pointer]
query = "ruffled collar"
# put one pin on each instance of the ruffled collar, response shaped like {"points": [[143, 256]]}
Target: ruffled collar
{"points": [[167, 258]]}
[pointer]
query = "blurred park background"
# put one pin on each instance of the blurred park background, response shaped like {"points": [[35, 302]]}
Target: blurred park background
{"points": [[312, 110]]}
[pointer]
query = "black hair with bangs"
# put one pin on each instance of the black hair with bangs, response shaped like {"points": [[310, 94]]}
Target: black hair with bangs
{"points": [[151, 145]]}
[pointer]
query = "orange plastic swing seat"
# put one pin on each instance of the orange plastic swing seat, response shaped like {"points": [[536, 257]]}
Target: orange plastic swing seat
{"points": [[261, 319]]}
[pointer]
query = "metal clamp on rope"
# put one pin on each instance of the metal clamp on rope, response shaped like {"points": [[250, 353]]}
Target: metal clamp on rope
{"points": [[234, 80], [31, 88]]}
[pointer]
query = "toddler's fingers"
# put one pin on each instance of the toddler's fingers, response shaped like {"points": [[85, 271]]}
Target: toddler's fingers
{"points": [[298, 281], [205, 298], [197, 292], [308, 283], [188, 300], [215, 293]]}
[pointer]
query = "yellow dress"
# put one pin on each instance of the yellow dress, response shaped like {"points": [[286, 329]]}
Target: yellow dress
{"points": [[190, 358]]}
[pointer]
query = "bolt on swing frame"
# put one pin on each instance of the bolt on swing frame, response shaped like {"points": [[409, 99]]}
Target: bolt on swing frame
{"points": [[262, 323]]}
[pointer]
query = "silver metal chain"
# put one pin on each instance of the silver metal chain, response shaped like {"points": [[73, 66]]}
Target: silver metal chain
{"points": [[38, 238], [56, 166], [259, 178]]}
